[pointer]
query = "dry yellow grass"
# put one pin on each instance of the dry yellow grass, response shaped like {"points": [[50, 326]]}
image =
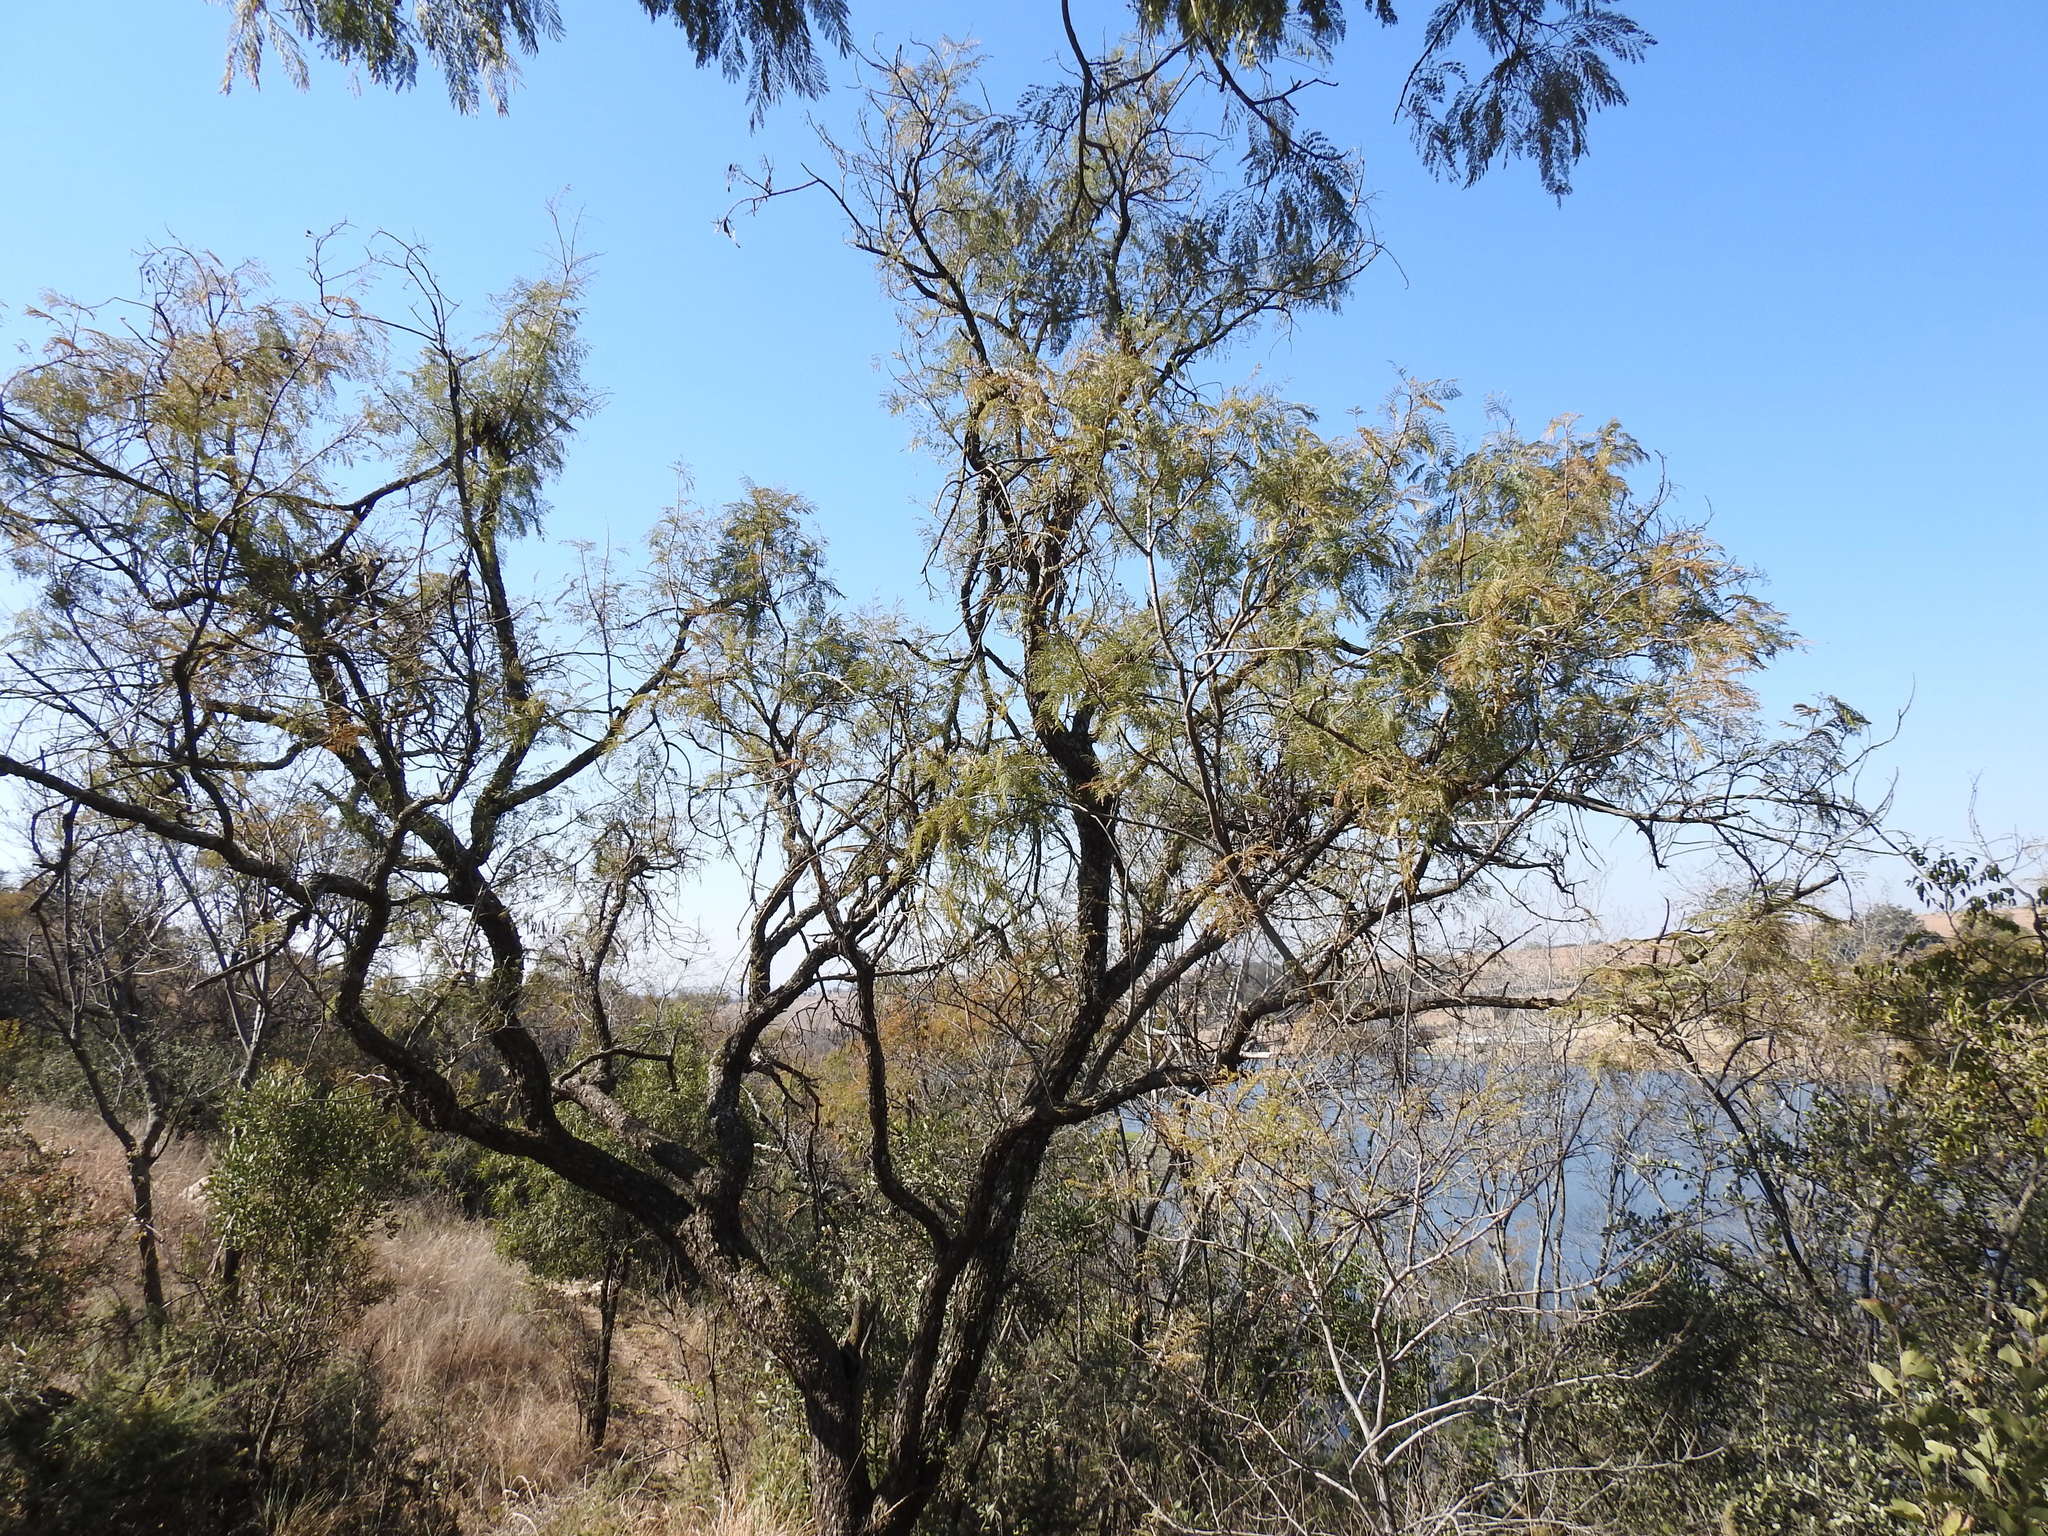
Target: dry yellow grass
{"points": [[477, 1360], [93, 1157], [478, 1365], [605, 1509], [472, 1365]]}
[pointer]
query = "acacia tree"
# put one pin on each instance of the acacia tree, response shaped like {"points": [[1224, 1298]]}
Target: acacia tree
{"points": [[1238, 705], [1229, 709], [1494, 80]]}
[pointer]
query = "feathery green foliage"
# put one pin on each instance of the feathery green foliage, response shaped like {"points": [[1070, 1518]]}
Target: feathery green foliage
{"points": [[1542, 67]]}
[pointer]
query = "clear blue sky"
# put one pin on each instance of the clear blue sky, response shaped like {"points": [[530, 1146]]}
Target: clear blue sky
{"points": [[1805, 265]]}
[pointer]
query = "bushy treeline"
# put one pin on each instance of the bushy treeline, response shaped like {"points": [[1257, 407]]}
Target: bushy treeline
{"points": [[1748, 1237]]}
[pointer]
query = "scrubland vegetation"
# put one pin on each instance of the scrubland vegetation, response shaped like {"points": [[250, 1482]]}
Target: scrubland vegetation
{"points": [[1132, 1109], [1745, 1239]]}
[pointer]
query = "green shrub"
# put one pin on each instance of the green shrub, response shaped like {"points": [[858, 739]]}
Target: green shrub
{"points": [[142, 1453]]}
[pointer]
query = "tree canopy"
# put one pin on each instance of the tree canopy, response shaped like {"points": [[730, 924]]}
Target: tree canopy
{"points": [[1117, 1116], [1230, 720], [1494, 80]]}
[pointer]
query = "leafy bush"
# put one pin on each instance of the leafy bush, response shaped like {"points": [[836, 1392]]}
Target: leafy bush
{"points": [[1972, 1431], [142, 1451], [299, 1183]]}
